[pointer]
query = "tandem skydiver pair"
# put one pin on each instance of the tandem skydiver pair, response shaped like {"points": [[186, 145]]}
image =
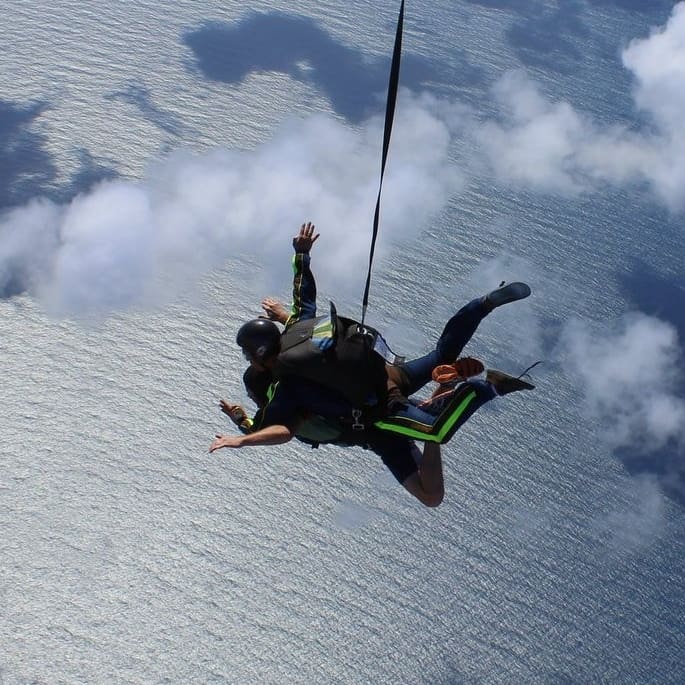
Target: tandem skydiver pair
{"points": [[322, 380]]}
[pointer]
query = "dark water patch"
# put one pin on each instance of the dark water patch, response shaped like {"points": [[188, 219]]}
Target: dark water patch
{"points": [[642, 6], [545, 39], [296, 45], [26, 168], [653, 293], [559, 678], [657, 295], [23, 259], [12, 284], [90, 173], [551, 330], [666, 465], [139, 96], [515, 5]]}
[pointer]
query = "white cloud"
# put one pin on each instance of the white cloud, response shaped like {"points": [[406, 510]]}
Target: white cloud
{"points": [[637, 521], [555, 148], [658, 64], [539, 139], [131, 243], [105, 250], [27, 246], [124, 243], [629, 377]]}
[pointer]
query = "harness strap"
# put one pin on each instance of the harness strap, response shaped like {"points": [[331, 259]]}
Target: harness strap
{"points": [[444, 426]]}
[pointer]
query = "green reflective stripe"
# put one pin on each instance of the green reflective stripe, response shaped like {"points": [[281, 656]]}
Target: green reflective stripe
{"points": [[296, 308], [429, 437], [259, 416], [324, 329]]}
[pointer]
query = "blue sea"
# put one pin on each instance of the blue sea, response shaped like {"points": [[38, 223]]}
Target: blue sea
{"points": [[156, 162]]}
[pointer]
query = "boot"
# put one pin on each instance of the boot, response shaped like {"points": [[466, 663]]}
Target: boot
{"points": [[506, 294], [504, 383]]}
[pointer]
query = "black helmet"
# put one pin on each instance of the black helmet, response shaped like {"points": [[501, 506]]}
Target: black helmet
{"points": [[259, 339]]}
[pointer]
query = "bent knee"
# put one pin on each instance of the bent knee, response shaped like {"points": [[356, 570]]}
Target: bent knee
{"points": [[432, 499], [429, 497]]}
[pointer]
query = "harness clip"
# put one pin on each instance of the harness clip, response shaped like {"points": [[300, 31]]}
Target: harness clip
{"points": [[357, 425]]}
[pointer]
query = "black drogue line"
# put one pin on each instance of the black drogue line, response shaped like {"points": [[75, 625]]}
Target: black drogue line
{"points": [[389, 116], [532, 366]]}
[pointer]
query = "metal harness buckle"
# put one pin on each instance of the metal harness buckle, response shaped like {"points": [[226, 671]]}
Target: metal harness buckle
{"points": [[357, 425]]}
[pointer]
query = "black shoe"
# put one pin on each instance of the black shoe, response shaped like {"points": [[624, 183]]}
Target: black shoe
{"points": [[504, 383], [506, 294]]}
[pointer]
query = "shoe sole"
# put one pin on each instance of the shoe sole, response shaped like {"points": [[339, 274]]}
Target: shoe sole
{"points": [[496, 377], [508, 293]]}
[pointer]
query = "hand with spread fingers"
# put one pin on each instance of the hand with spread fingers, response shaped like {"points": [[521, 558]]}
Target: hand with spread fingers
{"points": [[304, 240], [274, 310], [226, 441]]}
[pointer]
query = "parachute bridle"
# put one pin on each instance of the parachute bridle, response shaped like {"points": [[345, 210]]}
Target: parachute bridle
{"points": [[389, 117]]}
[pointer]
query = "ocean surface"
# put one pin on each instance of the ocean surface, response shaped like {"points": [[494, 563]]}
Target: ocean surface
{"points": [[128, 554]]}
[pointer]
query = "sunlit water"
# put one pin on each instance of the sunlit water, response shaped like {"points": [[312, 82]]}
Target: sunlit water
{"points": [[129, 555]]}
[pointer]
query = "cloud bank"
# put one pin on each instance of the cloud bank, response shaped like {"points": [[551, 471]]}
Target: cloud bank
{"points": [[137, 244], [629, 378], [635, 523], [125, 243], [552, 147]]}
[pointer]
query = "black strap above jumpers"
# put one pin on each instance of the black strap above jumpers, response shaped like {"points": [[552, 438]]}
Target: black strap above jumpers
{"points": [[389, 116]]}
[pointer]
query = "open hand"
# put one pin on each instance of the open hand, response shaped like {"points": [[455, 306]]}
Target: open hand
{"points": [[225, 441], [275, 310], [304, 240]]}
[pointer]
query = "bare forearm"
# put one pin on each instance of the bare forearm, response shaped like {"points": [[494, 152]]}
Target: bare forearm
{"points": [[271, 435]]}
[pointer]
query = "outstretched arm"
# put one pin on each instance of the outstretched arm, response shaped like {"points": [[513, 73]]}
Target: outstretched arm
{"points": [[304, 285], [271, 435]]}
